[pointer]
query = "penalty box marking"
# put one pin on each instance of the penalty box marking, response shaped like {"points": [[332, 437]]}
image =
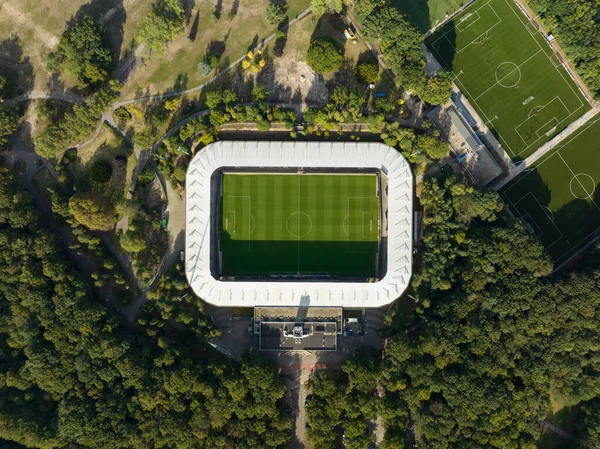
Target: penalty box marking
{"points": [[444, 36], [543, 210], [539, 112], [481, 110], [364, 237], [250, 217]]}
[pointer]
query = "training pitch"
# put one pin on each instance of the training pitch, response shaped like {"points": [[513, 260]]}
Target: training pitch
{"points": [[558, 198], [508, 72], [299, 225]]}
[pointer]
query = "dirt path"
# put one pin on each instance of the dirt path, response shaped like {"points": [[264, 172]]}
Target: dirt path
{"points": [[20, 20]]}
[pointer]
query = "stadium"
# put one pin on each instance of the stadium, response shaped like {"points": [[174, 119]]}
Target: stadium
{"points": [[298, 224]]}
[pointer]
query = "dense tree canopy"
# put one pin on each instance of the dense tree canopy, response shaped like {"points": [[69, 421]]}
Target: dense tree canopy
{"points": [[162, 25], [576, 25], [93, 210], [84, 52], [76, 124], [72, 376], [400, 41], [9, 117], [494, 336], [324, 56]]}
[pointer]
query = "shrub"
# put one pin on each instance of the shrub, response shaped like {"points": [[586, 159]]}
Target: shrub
{"points": [[212, 61], [101, 172], [263, 125], [122, 114], [204, 68], [132, 243], [146, 177], [179, 174], [367, 72], [324, 56], [275, 14]]}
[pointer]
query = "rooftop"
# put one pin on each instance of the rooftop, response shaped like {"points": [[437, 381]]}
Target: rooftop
{"points": [[397, 242]]}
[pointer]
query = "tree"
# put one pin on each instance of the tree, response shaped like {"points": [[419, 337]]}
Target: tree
{"points": [[437, 89], [320, 7], [76, 124], [101, 172], [83, 50], [259, 93], [162, 25], [214, 99], [324, 56], [367, 72], [9, 117], [275, 14], [93, 210], [432, 146], [132, 242]]}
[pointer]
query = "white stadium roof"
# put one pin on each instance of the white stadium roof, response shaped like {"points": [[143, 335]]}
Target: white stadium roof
{"points": [[338, 155]]}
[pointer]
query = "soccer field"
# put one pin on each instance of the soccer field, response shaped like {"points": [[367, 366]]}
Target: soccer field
{"points": [[558, 198], [299, 224], [508, 72]]}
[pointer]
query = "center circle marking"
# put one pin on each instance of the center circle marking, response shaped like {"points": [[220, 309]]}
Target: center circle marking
{"points": [[298, 221], [508, 74], [585, 182]]}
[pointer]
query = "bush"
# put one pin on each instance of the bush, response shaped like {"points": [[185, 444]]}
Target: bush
{"points": [[204, 68], [324, 56], [212, 61], [122, 114], [263, 125], [101, 172], [179, 174], [146, 177], [367, 72], [132, 243], [275, 14]]}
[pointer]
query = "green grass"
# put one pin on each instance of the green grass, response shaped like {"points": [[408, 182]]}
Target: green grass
{"points": [[509, 74], [425, 14], [563, 209], [307, 224]]}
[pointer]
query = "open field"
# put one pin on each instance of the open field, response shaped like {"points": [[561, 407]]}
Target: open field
{"points": [[509, 74], [426, 14], [558, 198], [307, 224], [30, 30], [230, 37]]}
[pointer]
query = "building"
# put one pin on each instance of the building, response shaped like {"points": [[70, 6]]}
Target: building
{"points": [[202, 219]]}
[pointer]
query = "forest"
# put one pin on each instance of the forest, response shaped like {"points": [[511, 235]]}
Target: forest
{"points": [[73, 375], [576, 25], [494, 338]]}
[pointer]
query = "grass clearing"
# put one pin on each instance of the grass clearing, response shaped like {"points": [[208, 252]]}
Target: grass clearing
{"points": [[299, 224], [509, 74], [230, 36], [558, 198]]}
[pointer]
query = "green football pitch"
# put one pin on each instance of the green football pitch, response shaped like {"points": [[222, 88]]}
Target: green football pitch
{"points": [[299, 224], [558, 197], [510, 75]]}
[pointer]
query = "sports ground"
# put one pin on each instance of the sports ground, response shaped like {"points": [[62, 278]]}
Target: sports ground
{"points": [[558, 197], [510, 75], [299, 225]]}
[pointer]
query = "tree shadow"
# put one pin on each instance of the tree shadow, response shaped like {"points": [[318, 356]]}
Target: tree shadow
{"points": [[417, 12], [218, 9], [194, 29], [188, 8], [15, 67], [281, 38], [234, 8]]}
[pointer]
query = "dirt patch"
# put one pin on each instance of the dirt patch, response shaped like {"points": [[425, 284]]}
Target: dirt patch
{"points": [[291, 81], [153, 198]]}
